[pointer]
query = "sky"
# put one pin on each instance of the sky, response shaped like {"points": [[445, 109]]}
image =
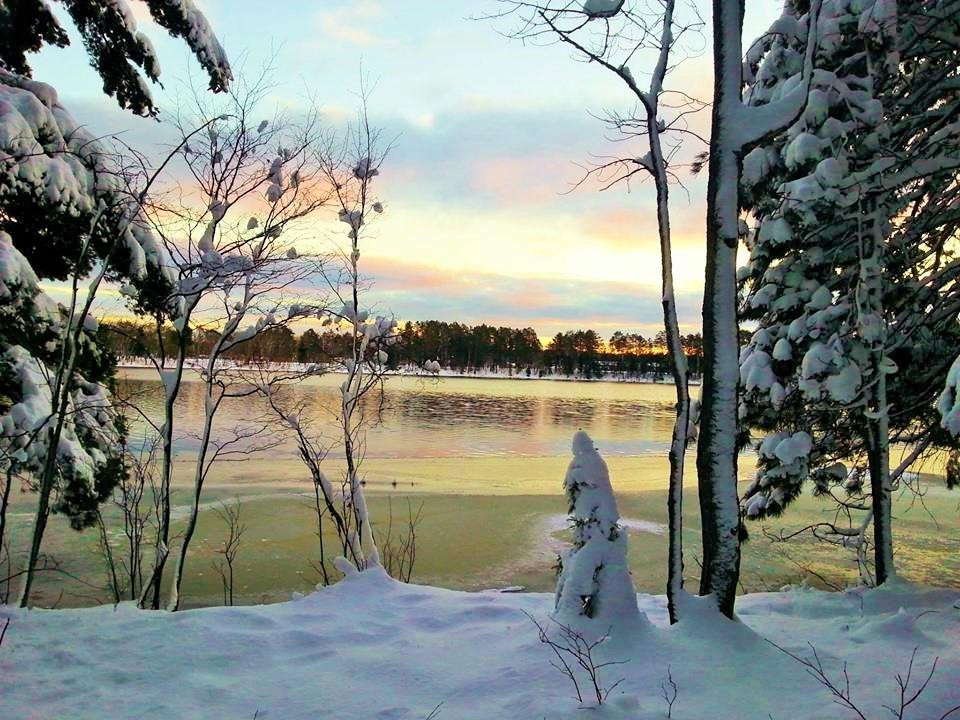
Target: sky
{"points": [[483, 222]]}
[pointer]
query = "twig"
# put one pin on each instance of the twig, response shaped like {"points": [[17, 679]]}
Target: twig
{"points": [[669, 689]]}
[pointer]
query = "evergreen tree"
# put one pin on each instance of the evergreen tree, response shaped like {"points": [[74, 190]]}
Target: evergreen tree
{"points": [[309, 347], [67, 211], [594, 581], [851, 239]]}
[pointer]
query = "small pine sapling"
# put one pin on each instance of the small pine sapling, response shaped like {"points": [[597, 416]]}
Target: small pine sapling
{"points": [[594, 582]]}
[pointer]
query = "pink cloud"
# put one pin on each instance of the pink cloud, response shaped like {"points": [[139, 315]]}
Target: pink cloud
{"points": [[534, 177]]}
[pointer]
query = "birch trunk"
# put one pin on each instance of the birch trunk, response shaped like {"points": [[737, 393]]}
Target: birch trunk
{"points": [[200, 472], [678, 442], [153, 587]]}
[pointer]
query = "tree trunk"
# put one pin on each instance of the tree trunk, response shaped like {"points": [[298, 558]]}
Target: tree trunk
{"points": [[716, 448], [46, 486], [678, 442], [878, 459], [5, 503], [163, 532], [210, 410]]}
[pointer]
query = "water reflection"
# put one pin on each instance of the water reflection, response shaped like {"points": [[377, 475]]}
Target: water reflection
{"points": [[452, 417]]}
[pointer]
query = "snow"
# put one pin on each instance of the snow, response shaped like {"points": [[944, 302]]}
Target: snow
{"points": [[755, 371], [949, 402], [776, 231], [602, 8], [802, 149], [353, 218], [190, 22], [782, 350], [365, 169], [594, 589], [557, 523], [50, 158], [25, 423], [369, 647], [413, 370], [792, 448], [756, 165], [844, 386]]}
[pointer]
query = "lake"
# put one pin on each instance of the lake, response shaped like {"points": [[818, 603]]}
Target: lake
{"points": [[483, 460], [453, 417]]}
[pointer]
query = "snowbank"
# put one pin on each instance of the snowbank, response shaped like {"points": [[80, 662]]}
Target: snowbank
{"points": [[371, 648]]}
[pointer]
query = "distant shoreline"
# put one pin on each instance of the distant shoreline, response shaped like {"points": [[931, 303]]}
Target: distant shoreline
{"points": [[413, 371]]}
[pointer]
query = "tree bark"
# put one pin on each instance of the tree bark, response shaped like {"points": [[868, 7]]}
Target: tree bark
{"points": [[209, 411], [163, 532], [716, 448], [5, 503], [878, 460], [678, 442]]}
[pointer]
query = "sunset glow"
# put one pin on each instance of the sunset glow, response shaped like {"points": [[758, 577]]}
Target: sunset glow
{"points": [[483, 223]]}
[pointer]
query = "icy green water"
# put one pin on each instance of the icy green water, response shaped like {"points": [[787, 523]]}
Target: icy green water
{"points": [[485, 458]]}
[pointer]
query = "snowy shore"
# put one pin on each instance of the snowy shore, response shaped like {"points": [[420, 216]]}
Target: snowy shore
{"points": [[414, 371], [371, 648]]}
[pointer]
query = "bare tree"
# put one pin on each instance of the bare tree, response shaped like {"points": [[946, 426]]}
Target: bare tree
{"points": [[575, 654], [852, 513], [230, 516], [124, 565], [237, 277], [73, 401], [350, 168], [113, 580], [138, 517], [6, 571], [398, 552], [669, 690], [349, 165], [909, 688], [631, 33], [6, 562]]}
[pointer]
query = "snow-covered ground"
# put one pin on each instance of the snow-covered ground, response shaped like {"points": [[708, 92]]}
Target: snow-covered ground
{"points": [[372, 648]]}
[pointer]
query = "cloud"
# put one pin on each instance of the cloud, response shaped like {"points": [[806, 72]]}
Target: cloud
{"points": [[418, 292], [626, 228], [477, 227], [351, 23], [479, 156]]}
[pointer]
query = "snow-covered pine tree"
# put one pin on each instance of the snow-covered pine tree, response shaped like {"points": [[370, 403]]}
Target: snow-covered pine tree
{"points": [[121, 54], [594, 580], [67, 213], [847, 257]]}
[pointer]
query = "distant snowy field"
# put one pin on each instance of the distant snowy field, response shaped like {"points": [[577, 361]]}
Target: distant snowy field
{"points": [[370, 648]]}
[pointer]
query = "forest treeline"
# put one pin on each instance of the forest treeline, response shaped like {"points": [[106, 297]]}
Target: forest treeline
{"points": [[457, 346]]}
